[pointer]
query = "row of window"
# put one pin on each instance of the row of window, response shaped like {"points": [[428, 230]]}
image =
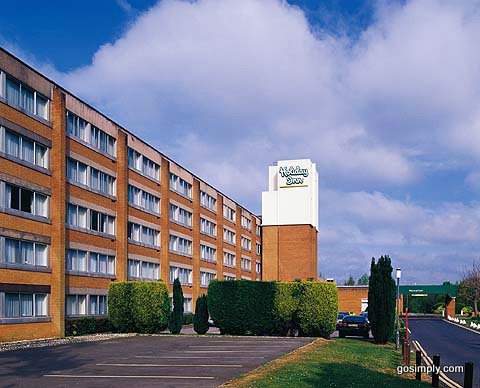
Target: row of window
{"points": [[76, 304], [24, 305], [180, 215], [229, 213], [246, 243], [207, 201], [208, 254], [229, 236], [180, 245], [183, 274], [208, 227], [180, 186], [143, 270], [206, 278], [22, 252], [90, 262], [95, 137], [23, 148], [24, 97], [25, 200], [143, 199], [144, 165], [143, 234], [94, 179], [90, 219]]}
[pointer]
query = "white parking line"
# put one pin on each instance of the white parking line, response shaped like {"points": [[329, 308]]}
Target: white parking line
{"points": [[176, 365], [189, 357], [239, 346], [217, 351], [130, 377]]}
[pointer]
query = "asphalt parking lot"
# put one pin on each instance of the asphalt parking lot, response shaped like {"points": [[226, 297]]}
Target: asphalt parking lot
{"points": [[144, 361]]}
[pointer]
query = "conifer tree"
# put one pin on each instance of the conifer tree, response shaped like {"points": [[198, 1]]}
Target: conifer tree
{"points": [[176, 316]]}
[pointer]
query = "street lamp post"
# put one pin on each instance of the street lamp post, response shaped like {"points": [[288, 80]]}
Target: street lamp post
{"points": [[397, 334]]}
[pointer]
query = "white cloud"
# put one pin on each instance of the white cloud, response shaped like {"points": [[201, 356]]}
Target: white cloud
{"points": [[227, 87]]}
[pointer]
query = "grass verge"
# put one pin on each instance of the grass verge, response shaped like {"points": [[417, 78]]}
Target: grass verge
{"points": [[331, 363]]}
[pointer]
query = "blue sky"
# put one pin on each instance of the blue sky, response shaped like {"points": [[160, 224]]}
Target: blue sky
{"points": [[383, 95]]}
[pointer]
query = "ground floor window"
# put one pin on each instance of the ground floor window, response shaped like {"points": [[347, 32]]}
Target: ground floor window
{"points": [[19, 305], [85, 305]]}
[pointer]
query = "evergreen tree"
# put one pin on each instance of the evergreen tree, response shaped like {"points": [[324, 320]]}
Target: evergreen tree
{"points": [[381, 300], [350, 281], [200, 320], [363, 280], [176, 316]]}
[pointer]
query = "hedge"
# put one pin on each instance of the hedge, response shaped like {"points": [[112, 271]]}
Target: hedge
{"points": [[141, 307], [87, 325], [281, 308]]}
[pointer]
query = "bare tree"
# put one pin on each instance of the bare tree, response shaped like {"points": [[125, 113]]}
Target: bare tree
{"points": [[470, 285]]}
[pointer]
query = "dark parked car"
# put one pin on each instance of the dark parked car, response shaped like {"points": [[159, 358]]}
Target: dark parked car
{"points": [[341, 315], [353, 325]]}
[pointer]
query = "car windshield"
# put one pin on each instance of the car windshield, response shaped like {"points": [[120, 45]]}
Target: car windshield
{"points": [[353, 319]]}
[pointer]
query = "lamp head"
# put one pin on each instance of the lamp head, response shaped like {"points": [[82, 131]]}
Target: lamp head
{"points": [[399, 273]]}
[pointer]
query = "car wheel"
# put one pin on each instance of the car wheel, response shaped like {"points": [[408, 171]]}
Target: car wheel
{"points": [[366, 336]]}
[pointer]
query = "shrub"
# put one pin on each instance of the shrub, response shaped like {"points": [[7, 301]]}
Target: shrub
{"points": [[87, 325], [381, 300], [176, 316], [200, 320], [242, 306], [260, 308], [150, 307], [141, 307]]}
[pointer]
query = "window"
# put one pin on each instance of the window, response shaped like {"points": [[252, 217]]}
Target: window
{"points": [[143, 234], [25, 149], [79, 172], [229, 259], [258, 229], [90, 262], [228, 277], [246, 264], [258, 267], [24, 252], [180, 186], [208, 227], [29, 100], [90, 219], [85, 305], [229, 213], [18, 305], [83, 130], [258, 248], [142, 164], [206, 277], [143, 270], [97, 305], [208, 253], [183, 274], [102, 182], [208, 201], [187, 305], [76, 171], [144, 200], [25, 200], [246, 223], [229, 236], [180, 215], [246, 243], [180, 245]]}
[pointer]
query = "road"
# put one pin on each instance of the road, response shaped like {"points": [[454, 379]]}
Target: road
{"points": [[162, 361], [454, 344]]}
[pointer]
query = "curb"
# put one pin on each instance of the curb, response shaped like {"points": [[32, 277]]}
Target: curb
{"points": [[463, 327]]}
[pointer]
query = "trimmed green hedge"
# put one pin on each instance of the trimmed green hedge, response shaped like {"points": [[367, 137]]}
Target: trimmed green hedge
{"points": [[245, 307], [141, 307], [87, 325]]}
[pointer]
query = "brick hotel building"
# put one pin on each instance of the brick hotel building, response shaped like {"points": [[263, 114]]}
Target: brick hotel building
{"points": [[84, 202]]}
